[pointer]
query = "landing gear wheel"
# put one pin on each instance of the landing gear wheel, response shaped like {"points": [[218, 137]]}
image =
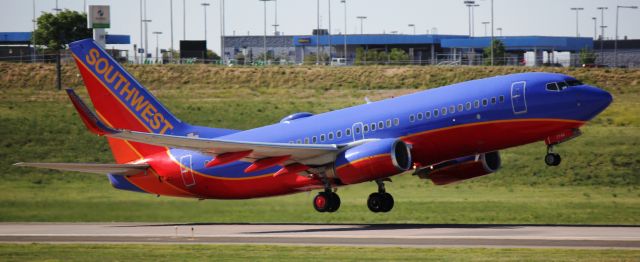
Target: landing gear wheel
{"points": [[552, 159], [326, 202], [380, 202]]}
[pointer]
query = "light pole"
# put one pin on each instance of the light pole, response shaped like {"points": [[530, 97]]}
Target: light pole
{"points": [[485, 27], [577, 9], [57, 9], [33, 39], [345, 30], [171, 20], [146, 29], [329, 32], [595, 27], [615, 43], [184, 20], [222, 32], [361, 26], [602, 26], [275, 24], [469, 4], [492, 34], [499, 30], [157, 33], [204, 8], [473, 19], [264, 38], [317, 32], [412, 26]]}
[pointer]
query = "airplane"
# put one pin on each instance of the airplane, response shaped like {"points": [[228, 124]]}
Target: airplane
{"points": [[446, 134]]}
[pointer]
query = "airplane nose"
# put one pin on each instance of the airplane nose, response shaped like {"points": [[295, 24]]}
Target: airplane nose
{"points": [[595, 99]]}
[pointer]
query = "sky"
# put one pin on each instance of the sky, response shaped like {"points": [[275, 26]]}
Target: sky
{"points": [[242, 17]]}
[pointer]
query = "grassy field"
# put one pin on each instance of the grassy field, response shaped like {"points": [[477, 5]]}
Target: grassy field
{"points": [[597, 183], [135, 252]]}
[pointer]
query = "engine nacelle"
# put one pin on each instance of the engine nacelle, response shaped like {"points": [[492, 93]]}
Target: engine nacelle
{"points": [[462, 168], [372, 160]]}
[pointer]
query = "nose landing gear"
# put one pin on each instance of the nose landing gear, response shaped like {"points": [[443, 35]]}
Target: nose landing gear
{"points": [[380, 201], [552, 159]]}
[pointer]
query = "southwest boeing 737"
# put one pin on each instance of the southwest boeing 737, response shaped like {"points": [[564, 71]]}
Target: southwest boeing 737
{"points": [[445, 134]]}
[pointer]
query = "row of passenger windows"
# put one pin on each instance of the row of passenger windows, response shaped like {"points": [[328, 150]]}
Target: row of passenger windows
{"points": [[453, 109], [364, 128]]}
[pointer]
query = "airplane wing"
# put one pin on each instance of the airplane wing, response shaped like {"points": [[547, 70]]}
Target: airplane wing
{"points": [[302, 153], [114, 169]]}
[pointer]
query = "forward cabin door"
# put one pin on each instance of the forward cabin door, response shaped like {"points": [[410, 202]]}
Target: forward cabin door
{"points": [[186, 172], [357, 130], [518, 98]]}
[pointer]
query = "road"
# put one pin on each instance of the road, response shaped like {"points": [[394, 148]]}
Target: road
{"points": [[406, 235]]}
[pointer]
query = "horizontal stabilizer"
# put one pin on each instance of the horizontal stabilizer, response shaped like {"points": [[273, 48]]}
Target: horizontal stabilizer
{"points": [[114, 169], [88, 117]]}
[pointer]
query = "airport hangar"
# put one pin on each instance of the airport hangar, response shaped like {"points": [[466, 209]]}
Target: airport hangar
{"points": [[422, 49]]}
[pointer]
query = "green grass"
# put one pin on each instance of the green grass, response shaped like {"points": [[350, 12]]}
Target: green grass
{"points": [[597, 183], [137, 252]]}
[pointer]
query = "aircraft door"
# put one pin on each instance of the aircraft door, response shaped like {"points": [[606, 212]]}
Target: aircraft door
{"points": [[357, 131], [186, 172], [518, 98]]}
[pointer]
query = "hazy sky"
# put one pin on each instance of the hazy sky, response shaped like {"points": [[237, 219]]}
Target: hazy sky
{"points": [[516, 17]]}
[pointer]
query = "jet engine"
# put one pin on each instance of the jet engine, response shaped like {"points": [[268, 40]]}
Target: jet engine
{"points": [[372, 160], [461, 168]]}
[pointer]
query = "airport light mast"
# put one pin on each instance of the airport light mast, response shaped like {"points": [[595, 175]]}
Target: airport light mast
{"points": [[413, 26], [577, 9], [345, 30], [602, 27], [264, 37], [595, 27], [157, 33], [615, 43], [485, 27], [204, 8], [362, 18]]}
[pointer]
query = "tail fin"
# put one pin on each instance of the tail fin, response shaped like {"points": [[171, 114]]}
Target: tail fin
{"points": [[117, 96], [121, 102]]}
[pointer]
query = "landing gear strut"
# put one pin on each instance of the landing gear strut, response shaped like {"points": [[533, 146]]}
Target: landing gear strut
{"points": [[327, 201], [380, 201], [552, 159]]}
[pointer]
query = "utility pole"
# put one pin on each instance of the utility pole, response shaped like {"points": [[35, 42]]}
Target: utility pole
{"points": [[577, 9], [412, 26], [157, 33], [499, 30], [492, 35], [204, 8], [33, 39], [329, 33], [222, 32], [602, 26], [184, 20], [469, 4], [473, 19], [146, 29], [485, 27], [317, 32], [264, 38], [595, 29], [275, 24], [171, 19]]}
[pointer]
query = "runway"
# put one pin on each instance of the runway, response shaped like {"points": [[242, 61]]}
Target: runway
{"points": [[404, 235]]}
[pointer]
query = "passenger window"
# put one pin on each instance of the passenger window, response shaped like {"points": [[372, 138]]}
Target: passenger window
{"points": [[338, 134], [443, 111], [452, 109], [365, 129], [552, 87], [476, 103], [357, 130], [412, 118], [380, 125], [322, 138], [347, 131], [460, 107], [420, 116], [314, 139], [290, 142], [373, 126], [435, 113], [388, 123], [330, 136], [306, 140], [493, 100], [468, 106], [396, 121], [427, 114], [501, 99], [299, 141], [485, 102]]}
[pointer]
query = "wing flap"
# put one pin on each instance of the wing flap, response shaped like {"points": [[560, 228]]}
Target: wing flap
{"points": [[114, 169]]}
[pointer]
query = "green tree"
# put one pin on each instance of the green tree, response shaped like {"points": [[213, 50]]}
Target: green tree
{"points": [[587, 56], [359, 60], [212, 55], [498, 53], [398, 55], [55, 31]]}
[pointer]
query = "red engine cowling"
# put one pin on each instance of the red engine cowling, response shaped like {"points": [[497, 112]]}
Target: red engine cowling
{"points": [[372, 160], [462, 168]]}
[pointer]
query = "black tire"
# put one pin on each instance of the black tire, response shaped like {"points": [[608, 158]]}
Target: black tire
{"points": [[550, 159], [387, 202], [375, 202], [557, 161], [322, 202], [334, 202]]}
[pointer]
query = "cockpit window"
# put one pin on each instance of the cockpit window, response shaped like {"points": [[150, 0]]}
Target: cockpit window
{"points": [[552, 87], [574, 82], [562, 85]]}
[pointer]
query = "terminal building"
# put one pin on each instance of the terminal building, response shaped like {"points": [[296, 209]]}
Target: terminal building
{"points": [[426, 49]]}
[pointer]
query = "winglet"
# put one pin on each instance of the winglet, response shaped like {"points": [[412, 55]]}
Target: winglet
{"points": [[89, 119]]}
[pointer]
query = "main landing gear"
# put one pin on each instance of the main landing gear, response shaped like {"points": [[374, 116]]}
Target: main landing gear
{"points": [[326, 201], [380, 201], [552, 159]]}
